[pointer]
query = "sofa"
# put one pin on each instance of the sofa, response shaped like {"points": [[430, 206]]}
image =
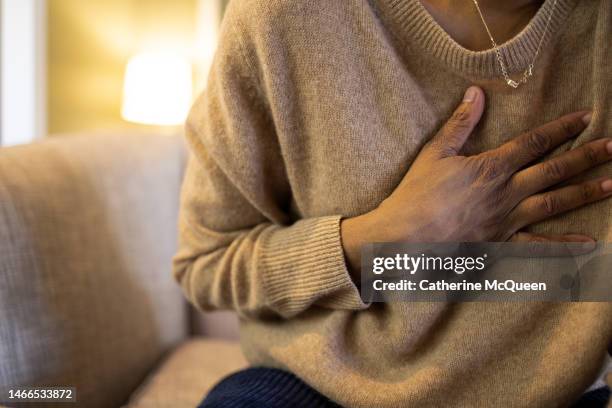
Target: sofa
{"points": [[87, 298]]}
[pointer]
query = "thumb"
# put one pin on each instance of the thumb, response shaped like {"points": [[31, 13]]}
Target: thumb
{"points": [[452, 136]]}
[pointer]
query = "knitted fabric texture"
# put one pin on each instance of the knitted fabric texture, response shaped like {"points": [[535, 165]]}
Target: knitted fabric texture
{"points": [[314, 111]]}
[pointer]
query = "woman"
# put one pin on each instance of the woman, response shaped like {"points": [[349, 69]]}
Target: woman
{"points": [[327, 125]]}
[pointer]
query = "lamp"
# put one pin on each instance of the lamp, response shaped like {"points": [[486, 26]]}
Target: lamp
{"points": [[157, 89]]}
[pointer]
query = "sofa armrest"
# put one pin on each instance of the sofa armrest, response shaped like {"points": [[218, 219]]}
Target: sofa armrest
{"points": [[215, 325], [87, 232]]}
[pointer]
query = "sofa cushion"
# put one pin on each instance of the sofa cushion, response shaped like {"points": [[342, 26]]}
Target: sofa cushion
{"points": [[220, 324], [188, 374], [87, 233]]}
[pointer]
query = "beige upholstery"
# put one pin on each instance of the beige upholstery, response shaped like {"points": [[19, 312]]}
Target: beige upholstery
{"points": [[181, 381], [221, 325], [87, 232]]}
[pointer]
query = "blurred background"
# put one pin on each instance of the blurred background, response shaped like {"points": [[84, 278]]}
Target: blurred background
{"points": [[75, 66]]}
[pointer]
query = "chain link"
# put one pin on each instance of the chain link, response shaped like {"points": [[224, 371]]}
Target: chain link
{"points": [[529, 71]]}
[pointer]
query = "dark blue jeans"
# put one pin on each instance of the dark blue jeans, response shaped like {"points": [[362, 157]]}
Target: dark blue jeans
{"points": [[264, 388], [272, 388]]}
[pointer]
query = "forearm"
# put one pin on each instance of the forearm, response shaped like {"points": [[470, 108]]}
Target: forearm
{"points": [[269, 269]]}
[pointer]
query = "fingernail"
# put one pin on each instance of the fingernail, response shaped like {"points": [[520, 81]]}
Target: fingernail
{"points": [[587, 118], [609, 147], [470, 94], [606, 186]]}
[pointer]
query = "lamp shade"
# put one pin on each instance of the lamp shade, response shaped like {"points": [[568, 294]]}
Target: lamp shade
{"points": [[157, 89]]}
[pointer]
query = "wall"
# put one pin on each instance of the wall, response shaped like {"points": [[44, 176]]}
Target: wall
{"points": [[88, 45]]}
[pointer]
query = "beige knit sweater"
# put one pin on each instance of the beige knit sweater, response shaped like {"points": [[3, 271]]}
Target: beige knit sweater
{"points": [[314, 111]]}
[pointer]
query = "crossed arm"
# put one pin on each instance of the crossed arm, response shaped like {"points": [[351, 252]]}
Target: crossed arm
{"points": [[240, 250]]}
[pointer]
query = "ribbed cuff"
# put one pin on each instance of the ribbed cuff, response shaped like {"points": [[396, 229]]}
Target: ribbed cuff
{"points": [[304, 264]]}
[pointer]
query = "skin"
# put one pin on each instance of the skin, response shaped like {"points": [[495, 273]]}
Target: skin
{"points": [[492, 196], [462, 22]]}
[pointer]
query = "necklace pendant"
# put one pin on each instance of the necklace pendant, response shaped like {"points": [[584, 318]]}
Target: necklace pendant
{"points": [[512, 83]]}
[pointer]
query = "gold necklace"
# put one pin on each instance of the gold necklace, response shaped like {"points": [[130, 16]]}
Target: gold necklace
{"points": [[529, 71]]}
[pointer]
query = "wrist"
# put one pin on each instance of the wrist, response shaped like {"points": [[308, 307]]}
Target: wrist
{"points": [[388, 224]]}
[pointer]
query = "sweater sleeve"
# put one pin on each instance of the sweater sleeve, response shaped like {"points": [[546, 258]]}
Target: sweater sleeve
{"points": [[238, 247]]}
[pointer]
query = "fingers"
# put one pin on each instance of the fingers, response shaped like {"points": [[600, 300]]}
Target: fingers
{"points": [[542, 206], [562, 167], [547, 245], [531, 245], [531, 237], [534, 144], [453, 135]]}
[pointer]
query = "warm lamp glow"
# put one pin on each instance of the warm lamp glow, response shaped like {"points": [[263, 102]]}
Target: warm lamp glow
{"points": [[157, 89]]}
